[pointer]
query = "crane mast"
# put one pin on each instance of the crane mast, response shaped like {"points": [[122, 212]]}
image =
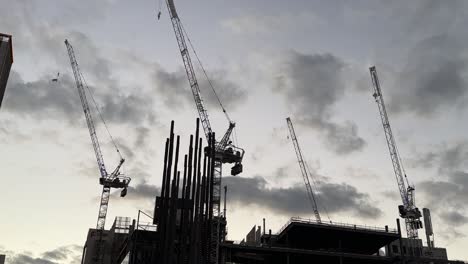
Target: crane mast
{"points": [[305, 174], [408, 210], [224, 151]]}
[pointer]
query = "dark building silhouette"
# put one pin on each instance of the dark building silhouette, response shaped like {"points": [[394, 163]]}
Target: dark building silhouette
{"points": [[6, 59], [179, 230]]}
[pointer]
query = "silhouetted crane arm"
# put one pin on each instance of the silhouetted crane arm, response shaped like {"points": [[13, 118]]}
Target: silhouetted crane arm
{"points": [[87, 112], [305, 174], [108, 181], [408, 210], [396, 160], [178, 30]]}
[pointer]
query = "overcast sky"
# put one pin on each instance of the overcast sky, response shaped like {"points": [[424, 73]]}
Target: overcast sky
{"points": [[268, 60]]}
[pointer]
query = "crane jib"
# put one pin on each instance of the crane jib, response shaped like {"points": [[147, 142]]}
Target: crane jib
{"points": [[108, 181], [408, 210], [222, 155], [305, 174], [86, 110]]}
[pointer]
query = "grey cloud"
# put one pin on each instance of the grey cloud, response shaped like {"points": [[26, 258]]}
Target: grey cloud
{"points": [[25, 259], [312, 84], [424, 17], [132, 109], [448, 197], [68, 254], [260, 24], [42, 98], [446, 158], [58, 254], [434, 78], [288, 201], [451, 234], [454, 218], [126, 150], [453, 157], [343, 138], [45, 44], [432, 75], [142, 136], [42, 38], [293, 200], [176, 90], [173, 86], [59, 100], [394, 195], [141, 192], [280, 173]]}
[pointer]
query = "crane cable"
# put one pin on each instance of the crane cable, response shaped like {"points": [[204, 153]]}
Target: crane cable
{"points": [[159, 11], [235, 137], [401, 165], [100, 115], [204, 72]]}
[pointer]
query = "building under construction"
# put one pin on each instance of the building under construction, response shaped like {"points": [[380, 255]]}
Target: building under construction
{"points": [[6, 60], [182, 226], [188, 226]]}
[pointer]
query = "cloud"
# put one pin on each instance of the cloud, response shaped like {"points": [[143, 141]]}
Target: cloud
{"points": [[62, 253], [434, 77], [141, 192], [424, 18], [394, 195], [142, 137], [25, 259], [288, 201], [126, 150], [448, 197], [454, 218], [131, 109], [39, 97], [293, 201], [446, 158], [256, 24], [66, 254], [312, 84], [44, 99], [175, 88], [343, 138]]}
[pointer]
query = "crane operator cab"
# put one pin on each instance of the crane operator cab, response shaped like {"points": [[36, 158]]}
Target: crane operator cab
{"points": [[117, 181], [414, 214], [231, 154]]}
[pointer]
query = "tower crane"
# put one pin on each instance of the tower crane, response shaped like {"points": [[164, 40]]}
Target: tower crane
{"points": [[108, 180], [305, 174], [408, 209], [225, 151]]}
